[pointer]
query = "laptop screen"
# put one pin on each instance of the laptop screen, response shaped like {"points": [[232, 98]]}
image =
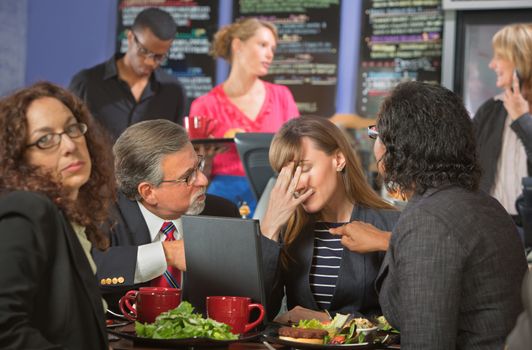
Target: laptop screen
{"points": [[223, 257]]}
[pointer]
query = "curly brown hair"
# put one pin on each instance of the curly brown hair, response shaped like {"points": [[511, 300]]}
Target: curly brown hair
{"points": [[429, 139], [92, 206]]}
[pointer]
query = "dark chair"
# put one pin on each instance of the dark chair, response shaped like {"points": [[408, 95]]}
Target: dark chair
{"points": [[524, 208], [253, 150]]}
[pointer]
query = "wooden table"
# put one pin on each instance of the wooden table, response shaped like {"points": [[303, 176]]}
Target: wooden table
{"points": [[124, 344]]}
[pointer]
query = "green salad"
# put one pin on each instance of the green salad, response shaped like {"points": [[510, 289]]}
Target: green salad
{"points": [[181, 323], [341, 330]]}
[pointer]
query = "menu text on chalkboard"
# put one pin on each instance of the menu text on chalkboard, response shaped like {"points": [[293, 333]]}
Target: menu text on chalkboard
{"points": [[401, 41]]}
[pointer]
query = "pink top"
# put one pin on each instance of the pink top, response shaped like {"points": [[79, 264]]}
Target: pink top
{"points": [[278, 107]]}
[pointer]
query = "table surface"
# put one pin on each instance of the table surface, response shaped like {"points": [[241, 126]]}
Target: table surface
{"points": [[124, 344]]}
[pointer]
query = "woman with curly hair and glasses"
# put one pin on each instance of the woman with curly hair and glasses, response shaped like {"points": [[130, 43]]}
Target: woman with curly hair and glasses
{"points": [[452, 274], [56, 183]]}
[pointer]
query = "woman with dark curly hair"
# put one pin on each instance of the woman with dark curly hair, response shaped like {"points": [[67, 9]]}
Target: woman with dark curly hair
{"points": [[451, 277], [56, 184]]}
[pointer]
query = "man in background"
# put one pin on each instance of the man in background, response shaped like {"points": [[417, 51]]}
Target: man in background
{"points": [[132, 87], [160, 178]]}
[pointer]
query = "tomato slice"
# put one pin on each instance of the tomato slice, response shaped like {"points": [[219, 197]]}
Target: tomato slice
{"points": [[338, 339]]}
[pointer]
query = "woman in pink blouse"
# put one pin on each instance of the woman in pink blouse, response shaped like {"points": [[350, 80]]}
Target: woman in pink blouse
{"points": [[243, 102]]}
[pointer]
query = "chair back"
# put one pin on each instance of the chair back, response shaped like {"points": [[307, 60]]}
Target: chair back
{"points": [[524, 208], [253, 150]]}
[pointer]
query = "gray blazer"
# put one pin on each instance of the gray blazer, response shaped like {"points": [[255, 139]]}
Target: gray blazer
{"points": [[452, 274], [355, 291]]}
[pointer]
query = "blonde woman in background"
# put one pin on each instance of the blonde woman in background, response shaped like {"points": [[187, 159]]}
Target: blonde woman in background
{"points": [[503, 125], [244, 102]]}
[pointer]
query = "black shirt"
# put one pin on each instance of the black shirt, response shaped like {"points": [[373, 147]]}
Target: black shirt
{"points": [[111, 102]]}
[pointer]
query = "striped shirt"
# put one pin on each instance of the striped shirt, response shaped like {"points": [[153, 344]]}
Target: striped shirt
{"points": [[326, 260]]}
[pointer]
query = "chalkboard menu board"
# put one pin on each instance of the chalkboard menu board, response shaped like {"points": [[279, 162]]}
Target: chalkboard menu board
{"points": [[306, 58], [188, 60], [401, 41]]}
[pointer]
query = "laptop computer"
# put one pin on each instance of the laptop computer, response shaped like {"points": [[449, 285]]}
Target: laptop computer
{"points": [[223, 257]]}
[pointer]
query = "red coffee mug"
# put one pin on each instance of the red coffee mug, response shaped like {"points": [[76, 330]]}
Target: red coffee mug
{"points": [[199, 127], [233, 311], [149, 302]]}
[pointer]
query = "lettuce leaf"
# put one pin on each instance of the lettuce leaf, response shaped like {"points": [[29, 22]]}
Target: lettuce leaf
{"points": [[181, 323]]}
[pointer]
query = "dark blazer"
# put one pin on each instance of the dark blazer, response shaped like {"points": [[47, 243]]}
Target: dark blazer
{"points": [[521, 336], [452, 274], [130, 231], [354, 293], [489, 127], [49, 297]]}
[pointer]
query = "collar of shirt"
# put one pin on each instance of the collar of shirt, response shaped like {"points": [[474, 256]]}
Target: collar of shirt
{"points": [[155, 223], [111, 72], [499, 97]]}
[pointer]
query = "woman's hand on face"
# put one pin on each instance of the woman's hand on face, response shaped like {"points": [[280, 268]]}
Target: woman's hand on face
{"points": [[283, 201], [514, 102], [361, 237]]}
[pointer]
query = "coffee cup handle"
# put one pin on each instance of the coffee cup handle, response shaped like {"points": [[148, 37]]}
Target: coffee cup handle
{"points": [[126, 302], [255, 323]]}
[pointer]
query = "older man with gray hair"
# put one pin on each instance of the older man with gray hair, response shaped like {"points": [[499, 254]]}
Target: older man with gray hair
{"points": [[160, 178]]}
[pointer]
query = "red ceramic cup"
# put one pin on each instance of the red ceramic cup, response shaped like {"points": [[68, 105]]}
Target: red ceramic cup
{"points": [[145, 304], [199, 127], [233, 311]]}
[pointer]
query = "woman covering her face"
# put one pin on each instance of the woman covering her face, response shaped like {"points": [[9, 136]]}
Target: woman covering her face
{"points": [[320, 186], [55, 187], [244, 102], [452, 274]]}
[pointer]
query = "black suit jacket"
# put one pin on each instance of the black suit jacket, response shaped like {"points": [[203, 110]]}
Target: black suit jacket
{"points": [[489, 127], [118, 263], [354, 292], [49, 298]]}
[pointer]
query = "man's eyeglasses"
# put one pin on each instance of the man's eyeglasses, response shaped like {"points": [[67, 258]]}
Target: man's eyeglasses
{"points": [[372, 132], [190, 177], [144, 52], [53, 139]]}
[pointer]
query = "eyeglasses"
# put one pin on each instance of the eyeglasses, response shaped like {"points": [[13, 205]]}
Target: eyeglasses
{"points": [[144, 52], [190, 177], [53, 139], [372, 132]]}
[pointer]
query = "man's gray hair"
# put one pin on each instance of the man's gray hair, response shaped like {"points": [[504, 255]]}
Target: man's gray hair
{"points": [[139, 152]]}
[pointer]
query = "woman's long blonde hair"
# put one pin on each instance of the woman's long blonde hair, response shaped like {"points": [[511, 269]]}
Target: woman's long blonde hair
{"points": [[287, 147]]}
